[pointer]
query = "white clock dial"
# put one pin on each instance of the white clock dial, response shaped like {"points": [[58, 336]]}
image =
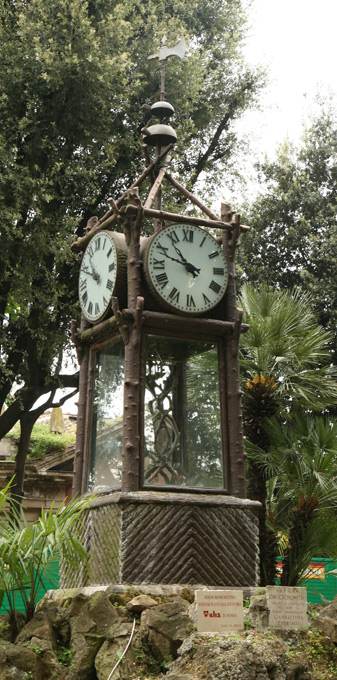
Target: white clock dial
{"points": [[186, 269], [98, 276]]}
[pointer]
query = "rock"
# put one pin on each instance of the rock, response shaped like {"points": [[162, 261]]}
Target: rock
{"points": [[238, 660], [326, 622], [258, 612], [109, 654], [188, 645], [19, 661], [39, 627], [327, 626], [141, 602], [164, 628], [90, 620]]}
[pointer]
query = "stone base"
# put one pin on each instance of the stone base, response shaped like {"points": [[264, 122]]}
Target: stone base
{"points": [[167, 538]]}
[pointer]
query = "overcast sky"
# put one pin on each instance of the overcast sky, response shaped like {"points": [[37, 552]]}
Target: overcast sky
{"points": [[296, 40]]}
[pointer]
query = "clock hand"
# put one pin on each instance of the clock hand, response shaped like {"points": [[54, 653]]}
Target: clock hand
{"points": [[179, 253], [86, 271], [190, 267], [174, 259], [95, 275]]}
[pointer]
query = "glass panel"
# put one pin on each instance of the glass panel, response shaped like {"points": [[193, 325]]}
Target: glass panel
{"points": [[182, 414], [105, 453]]}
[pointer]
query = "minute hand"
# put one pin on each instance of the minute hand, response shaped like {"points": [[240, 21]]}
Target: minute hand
{"points": [[190, 267]]}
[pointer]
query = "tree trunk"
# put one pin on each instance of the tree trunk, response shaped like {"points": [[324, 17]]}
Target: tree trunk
{"points": [[303, 516], [26, 424]]}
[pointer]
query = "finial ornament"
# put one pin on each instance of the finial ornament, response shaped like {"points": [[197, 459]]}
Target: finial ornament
{"points": [[164, 53]]}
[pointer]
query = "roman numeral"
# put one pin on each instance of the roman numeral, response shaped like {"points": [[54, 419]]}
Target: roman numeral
{"points": [[109, 252], [162, 249], [105, 302], [202, 242], [189, 301], [83, 284], [111, 267], [162, 280], [90, 308], [109, 284], [173, 236], [174, 295], [97, 244], [158, 264], [214, 286], [219, 271], [188, 235], [215, 254], [84, 298], [90, 251], [104, 244], [97, 309], [206, 299]]}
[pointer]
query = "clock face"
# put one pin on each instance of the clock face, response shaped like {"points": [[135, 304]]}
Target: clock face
{"points": [[98, 276], [186, 269]]}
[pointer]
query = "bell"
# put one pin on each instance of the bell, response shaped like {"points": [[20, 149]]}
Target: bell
{"points": [[160, 134], [162, 110]]}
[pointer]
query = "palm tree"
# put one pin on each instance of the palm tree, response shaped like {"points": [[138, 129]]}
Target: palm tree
{"points": [[285, 365], [301, 468]]}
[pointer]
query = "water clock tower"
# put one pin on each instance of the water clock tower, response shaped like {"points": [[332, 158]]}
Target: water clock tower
{"points": [[159, 437]]}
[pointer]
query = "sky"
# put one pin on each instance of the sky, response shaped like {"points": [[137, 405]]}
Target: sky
{"points": [[296, 40]]}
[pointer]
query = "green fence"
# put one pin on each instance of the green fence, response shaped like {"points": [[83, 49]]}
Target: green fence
{"points": [[50, 583], [320, 583]]}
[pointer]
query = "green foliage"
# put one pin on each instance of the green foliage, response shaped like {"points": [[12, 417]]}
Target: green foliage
{"points": [[43, 441], [286, 343], [293, 239], [287, 374], [27, 551], [74, 76], [65, 656]]}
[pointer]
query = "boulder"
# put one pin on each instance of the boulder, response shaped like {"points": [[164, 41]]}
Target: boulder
{"points": [[326, 622], [328, 626], [164, 627], [90, 620], [16, 661], [141, 602], [238, 660], [258, 612], [111, 651]]}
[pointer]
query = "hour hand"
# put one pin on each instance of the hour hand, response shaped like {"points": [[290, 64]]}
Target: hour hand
{"points": [[190, 267], [86, 271]]}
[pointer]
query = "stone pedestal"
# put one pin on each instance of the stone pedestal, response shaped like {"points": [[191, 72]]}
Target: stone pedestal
{"points": [[159, 537]]}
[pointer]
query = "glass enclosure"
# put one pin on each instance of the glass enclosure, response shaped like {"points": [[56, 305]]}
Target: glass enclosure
{"points": [[105, 446], [182, 423]]}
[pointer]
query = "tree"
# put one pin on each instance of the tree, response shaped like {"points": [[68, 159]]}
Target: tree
{"points": [[301, 468], [74, 77], [293, 239], [285, 366]]}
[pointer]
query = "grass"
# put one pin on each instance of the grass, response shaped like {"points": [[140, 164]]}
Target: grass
{"points": [[43, 441]]}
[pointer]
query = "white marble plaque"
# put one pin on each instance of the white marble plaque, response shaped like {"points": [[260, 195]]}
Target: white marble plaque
{"points": [[219, 611], [287, 607]]}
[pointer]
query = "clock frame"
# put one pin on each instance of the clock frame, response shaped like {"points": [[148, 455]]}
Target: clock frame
{"points": [[185, 269], [102, 274]]}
